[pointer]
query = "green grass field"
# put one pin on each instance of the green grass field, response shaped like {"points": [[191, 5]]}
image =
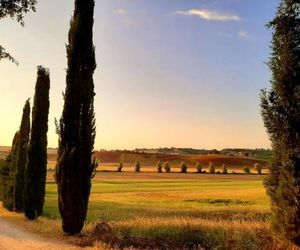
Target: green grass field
{"points": [[211, 211]]}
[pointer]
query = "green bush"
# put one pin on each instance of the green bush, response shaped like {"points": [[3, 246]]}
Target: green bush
{"points": [[211, 168], [247, 170], [183, 167], [167, 167], [198, 167], [258, 168], [137, 167], [159, 167], [224, 169], [120, 167]]}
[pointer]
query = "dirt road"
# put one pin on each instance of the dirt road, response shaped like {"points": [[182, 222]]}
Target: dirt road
{"points": [[14, 238]]}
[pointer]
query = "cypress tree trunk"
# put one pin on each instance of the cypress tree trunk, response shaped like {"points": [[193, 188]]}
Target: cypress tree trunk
{"points": [[281, 114], [76, 129], [21, 159], [9, 174], [36, 166]]}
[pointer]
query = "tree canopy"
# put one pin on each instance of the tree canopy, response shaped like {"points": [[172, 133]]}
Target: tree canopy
{"points": [[16, 10]]}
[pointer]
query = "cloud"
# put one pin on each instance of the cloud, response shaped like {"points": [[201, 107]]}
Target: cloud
{"points": [[209, 15], [120, 12], [243, 34]]}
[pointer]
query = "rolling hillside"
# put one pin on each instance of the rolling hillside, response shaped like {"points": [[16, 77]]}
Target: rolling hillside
{"points": [[148, 159], [151, 159]]}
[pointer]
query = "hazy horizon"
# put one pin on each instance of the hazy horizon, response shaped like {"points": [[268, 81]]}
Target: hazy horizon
{"points": [[170, 73]]}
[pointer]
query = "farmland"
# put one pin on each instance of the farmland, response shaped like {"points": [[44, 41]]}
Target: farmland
{"points": [[213, 211]]}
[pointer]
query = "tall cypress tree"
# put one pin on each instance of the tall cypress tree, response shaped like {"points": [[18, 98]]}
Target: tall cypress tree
{"points": [[281, 114], [76, 129], [8, 175], [21, 159], [36, 166]]}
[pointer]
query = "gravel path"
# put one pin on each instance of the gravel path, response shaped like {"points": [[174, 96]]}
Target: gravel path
{"points": [[14, 238]]}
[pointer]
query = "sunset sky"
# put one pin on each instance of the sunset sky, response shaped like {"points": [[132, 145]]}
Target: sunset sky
{"points": [[183, 73]]}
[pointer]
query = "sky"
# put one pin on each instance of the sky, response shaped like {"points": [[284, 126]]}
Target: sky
{"points": [[182, 73]]}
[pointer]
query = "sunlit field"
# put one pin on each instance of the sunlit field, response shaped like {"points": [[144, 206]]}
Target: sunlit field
{"points": [[227, 211]]}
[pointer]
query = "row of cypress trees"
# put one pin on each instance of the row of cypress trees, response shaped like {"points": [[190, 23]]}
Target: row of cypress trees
{"points": [[24, 170]]}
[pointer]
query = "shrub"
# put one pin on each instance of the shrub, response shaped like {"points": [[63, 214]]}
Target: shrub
{"points": [[211, 168], [120, 167], [167, 167], [159, 167], [224, 169], [258, 168], [137, 167], [247, 170], [183, 167], [198, 167]]}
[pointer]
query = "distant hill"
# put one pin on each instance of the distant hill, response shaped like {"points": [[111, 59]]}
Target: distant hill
{"points": [[230, 157], [263, 154], [175, 159]]}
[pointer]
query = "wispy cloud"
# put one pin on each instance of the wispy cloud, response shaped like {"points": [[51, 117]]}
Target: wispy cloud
{"points": [[126, 19], [243, 34], [120, 12], [209, 15]]}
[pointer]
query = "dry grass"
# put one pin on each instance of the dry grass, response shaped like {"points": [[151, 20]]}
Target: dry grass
{"points": [[167, 210], [42, 226]]}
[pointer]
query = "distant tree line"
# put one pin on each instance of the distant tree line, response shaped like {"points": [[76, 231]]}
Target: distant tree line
{"points": [[198, 168]]}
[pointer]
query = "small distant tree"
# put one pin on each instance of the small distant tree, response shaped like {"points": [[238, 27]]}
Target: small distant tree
{"points": [[247, 170], [159, 167], [258, 168], [137, 167], [24, 133], [224, 169], [167, 167], [183, 167], [211, 168], [198, 167], [120, 167]]}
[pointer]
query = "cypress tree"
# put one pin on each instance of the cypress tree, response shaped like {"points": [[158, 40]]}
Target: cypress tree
{"points": [[21, 159], [8, 173], [4, 172], [281, 113], [76, 128], [36, 166]]}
